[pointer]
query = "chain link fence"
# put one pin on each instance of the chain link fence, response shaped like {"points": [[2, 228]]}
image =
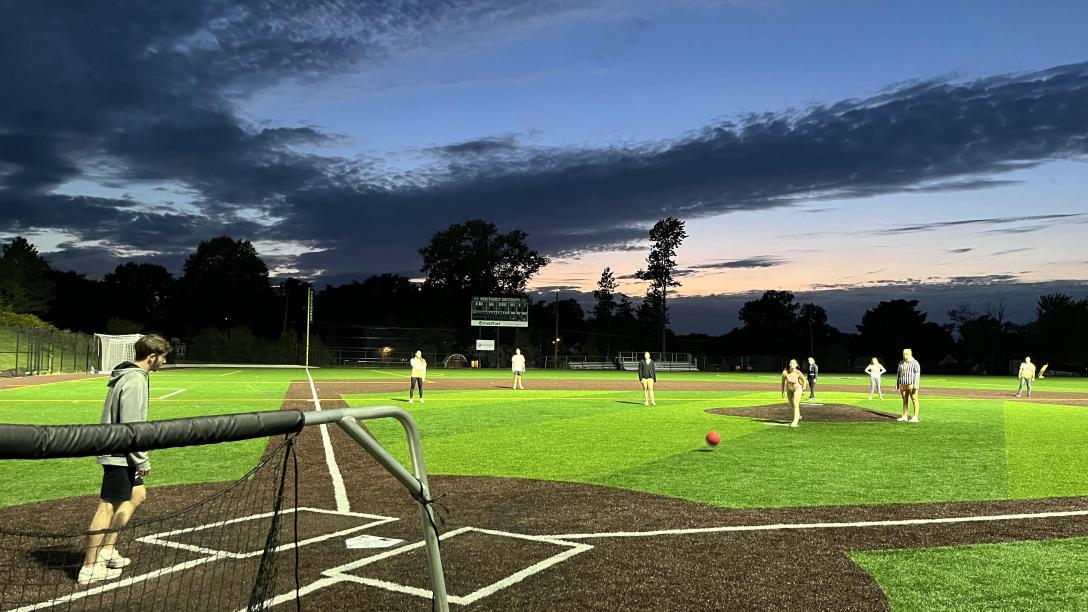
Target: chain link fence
{"points": [[28, 351]]}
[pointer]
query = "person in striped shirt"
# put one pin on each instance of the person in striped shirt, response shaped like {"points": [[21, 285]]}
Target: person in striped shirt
{"points": [[419, 376], [907, 380]]}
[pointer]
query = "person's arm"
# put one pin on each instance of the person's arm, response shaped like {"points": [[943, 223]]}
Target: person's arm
{"points": [[882, 370], [132, 408], [653, 370], [783, 384]]}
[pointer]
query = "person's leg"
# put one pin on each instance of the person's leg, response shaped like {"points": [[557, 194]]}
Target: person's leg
{"points": [[1029, 387], [1020, 387], [905, 394], [103, 516], [879, 391], [653, 400], [914, 400], [515, 381], [411, 389], [872, 387], [795, 402], [811, 388], [121, 515]]}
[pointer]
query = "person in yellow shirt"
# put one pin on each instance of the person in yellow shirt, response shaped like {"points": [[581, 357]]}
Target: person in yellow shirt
{"points": [[419, 376], [1027, 374]]}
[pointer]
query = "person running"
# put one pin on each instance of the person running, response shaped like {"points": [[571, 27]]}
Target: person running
{"points": [[517, 364], [647, 375], [875, 370], [419, 376], [793, 383], [812, 372], [906, 382], [1027, 374], [123, 474]]}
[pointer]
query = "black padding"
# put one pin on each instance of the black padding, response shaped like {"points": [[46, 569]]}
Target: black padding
{"points": [[55, 441]]}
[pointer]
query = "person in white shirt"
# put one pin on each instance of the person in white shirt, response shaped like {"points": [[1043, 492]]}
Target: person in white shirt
{"points": [[419, 376], [874, 370], [1027, 374], [517, 364]]}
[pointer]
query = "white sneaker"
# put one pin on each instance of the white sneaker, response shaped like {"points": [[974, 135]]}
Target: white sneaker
{"points": [[902, 419], [645, 403], [411, 401], [794, 424], [97, 573], [870, 398], [914, 419], [113, 558], [421, 401]]}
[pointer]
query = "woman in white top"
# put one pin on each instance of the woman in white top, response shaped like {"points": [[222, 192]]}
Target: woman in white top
{"points": [[517, 364], [874, 370], [419, 376], [794, 382]]}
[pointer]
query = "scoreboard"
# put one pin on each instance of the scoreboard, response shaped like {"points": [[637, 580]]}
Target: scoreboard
{"points": [[500, 312]]}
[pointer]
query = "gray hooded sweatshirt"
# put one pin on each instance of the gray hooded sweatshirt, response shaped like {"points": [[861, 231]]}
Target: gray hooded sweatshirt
{"points": [[126, 402]]}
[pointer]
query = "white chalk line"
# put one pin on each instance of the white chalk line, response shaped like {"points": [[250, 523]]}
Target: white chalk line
{"points": [[340, 573], [178, 392], [340, 491], [211, 555], [803, 526]]}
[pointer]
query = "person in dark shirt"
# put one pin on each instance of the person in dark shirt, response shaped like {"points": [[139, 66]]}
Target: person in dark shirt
{"points": [[647, 375], [812, 371]]}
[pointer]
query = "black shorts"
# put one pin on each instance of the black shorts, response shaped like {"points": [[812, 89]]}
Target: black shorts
{"points": [[117, 482]]}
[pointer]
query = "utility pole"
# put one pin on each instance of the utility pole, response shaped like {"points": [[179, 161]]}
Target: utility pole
{"points": [[664, 287], [556, 343]]}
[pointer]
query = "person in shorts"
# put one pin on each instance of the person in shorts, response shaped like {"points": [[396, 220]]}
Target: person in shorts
{"points": [[907, 379], [793, 388], [123, 475], [647, 375], [517, 365]]}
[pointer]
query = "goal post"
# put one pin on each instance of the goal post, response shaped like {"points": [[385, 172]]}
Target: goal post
{"points": [[35, 442], [114, 350]]}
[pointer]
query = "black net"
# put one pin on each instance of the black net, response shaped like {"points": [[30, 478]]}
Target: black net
{"points": [[235, 548]]}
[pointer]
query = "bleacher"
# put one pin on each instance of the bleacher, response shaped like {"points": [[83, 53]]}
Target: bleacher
{"points": [[673, 362], [591, 365]]}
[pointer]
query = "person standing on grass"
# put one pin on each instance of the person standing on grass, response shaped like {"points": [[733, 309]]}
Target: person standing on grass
{"points": [[1027, 374], [875, 370], [517, 364], [419, 376], [793, 384], [647, 375], [813, 371], [907, 380], [122, 474]]}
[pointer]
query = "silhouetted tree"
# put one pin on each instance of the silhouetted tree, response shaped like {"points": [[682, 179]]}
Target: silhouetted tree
{"points": [[666, 236], [1062, 327], [604, 309], [140, 292], [79, 303], [897, 324], [25, 286], [225, 285], [474, 258]]}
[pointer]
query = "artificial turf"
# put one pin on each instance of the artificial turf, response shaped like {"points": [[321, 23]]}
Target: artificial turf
{"points": [[1037, 575]]}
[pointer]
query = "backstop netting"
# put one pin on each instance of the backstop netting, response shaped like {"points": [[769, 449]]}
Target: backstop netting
{"points": [[115, 350], [233, 547]]}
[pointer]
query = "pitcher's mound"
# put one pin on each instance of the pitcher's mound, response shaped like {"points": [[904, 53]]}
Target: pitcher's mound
{"points": [[816, 413]]}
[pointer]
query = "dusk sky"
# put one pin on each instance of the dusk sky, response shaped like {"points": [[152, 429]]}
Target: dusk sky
{"points": [[849, 151]]}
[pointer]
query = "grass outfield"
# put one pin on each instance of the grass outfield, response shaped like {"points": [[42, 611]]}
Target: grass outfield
{"points": [[965, 449], [1045, 575]]}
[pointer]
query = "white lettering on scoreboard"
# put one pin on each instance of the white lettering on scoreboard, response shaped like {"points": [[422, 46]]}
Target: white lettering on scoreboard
{"points": [[499, 312]]}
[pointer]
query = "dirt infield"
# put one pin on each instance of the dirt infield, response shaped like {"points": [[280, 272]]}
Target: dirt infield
{"points": [[44, 379], [697, 557], [813, 413]]}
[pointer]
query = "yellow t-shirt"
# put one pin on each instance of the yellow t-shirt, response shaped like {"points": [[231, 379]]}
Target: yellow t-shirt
{"points": [[1027, 370], [419, 367]]}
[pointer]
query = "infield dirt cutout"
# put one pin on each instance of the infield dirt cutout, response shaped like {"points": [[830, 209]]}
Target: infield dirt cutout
{"points": [[621, 550]]}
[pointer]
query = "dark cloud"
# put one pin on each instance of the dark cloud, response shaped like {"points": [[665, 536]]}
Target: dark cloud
{"points": [[1011, 251], [155, 92], [749, 262], [961, 251], [938, 225]]}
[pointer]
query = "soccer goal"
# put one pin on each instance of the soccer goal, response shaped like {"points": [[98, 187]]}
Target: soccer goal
{"points": [[246, 546], [456, 360], [115, 350]]}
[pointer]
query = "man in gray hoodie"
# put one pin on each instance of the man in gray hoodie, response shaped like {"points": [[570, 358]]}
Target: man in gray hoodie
{"points": [[122, 475]]}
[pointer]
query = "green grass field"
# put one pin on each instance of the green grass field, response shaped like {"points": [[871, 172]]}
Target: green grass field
{"points": [[965, 449]]}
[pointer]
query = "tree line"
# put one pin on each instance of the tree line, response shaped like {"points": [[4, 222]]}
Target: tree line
{"points": [[225, 304]]}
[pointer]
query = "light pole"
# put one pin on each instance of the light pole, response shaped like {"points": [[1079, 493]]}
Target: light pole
{"points": [[556, 343]]}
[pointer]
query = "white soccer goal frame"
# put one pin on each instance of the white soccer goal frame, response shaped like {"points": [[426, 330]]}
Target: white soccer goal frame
{"points": [[114, 349]]}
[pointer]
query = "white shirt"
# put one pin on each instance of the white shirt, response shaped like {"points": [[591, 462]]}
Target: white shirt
{"points": [[872, 370], [419, 367], [517, 363]]}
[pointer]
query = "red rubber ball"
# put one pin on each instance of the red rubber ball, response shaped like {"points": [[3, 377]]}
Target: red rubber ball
{"points": [[712, 438]]}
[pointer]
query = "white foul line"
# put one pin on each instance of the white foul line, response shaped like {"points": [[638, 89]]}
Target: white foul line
{"points": [[339, 490], [172, 394], [787, 526]]}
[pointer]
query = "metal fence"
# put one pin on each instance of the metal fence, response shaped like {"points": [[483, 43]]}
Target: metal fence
{"points": [[25, 351]]}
